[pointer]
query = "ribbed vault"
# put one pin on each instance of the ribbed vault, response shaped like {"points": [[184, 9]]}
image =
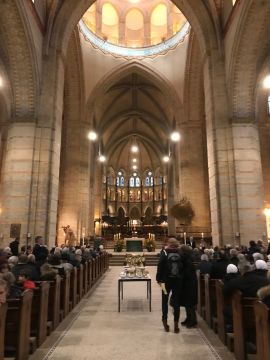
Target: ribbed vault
{"points": [[134, 108]]}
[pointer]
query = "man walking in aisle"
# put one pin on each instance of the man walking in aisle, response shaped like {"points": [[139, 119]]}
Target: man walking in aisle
{"points": [[170, 278]]}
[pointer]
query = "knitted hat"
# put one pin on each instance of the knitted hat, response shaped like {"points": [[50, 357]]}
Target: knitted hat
{"points": [[261, 265], [172, 242], [231, 269]]}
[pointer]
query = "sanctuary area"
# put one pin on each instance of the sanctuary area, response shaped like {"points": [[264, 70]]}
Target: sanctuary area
{"points": [[131, 130]]}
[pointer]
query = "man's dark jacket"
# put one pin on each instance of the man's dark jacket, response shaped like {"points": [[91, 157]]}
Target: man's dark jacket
{"points": [[14, 247], [218, 270], [163, 270]]}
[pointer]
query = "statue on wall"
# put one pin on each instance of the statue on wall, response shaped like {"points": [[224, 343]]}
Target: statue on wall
{"points": [[70, 239]]}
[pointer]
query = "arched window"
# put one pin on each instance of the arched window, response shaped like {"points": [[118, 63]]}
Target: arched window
{"points": [[159, 24], [131, 182], [134, 28], [149, 180], [268, 105], [122, 181], [138, 182], [110, 23]]}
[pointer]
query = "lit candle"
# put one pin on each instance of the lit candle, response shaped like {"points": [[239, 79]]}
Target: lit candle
{"points": [[185, 237], [202, 235]]}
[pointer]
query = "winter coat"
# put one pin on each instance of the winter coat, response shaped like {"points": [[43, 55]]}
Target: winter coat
{"points": [[218, 270], [14, 247], [163, 270], [248, 284], [230, 276], [30, 268], [189, 295], [204, 267]]}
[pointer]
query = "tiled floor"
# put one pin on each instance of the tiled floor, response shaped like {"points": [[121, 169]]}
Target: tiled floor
{"points": [[95, 329]]}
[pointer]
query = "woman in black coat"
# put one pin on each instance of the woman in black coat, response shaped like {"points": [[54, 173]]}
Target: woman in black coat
{"points": [[189, 294]]}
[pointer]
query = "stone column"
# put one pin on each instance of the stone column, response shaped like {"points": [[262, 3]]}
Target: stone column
{"points": [[193, 171], [45, 177], [170, 197], [249, 181], [122, 31], [147, 31], [16, 186], [224, 217], [98, 196]]}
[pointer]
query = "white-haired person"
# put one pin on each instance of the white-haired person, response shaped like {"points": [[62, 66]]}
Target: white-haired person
{"points": [[250, 282], [232, 272]]}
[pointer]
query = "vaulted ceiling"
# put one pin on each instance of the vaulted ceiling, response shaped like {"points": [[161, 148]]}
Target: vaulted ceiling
{"points": [[135, 109]]}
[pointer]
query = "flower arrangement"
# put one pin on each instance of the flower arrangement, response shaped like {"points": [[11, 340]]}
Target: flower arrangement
{"points": [[119, 245], [150, 244]]}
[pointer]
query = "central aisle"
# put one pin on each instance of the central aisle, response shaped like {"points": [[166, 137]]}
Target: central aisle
{"points": [[95, 330]]}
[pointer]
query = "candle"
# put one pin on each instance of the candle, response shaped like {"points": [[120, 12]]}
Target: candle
{"points": [[202, 235], [185, 237]]}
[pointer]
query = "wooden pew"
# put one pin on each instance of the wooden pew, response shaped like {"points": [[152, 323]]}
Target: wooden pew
{"points": [[221, 303], [210, 300], [90, 270], [3, 313], [79, 282], [17, 330], [39, 313], [243, 323], [201, 294], [73, 287], [64, 294], [85, 277], [93, 271], [97, 267], [54, 301], [262, 319]]}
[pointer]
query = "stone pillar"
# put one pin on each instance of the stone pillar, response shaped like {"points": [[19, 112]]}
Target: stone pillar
{"points": [[224, 217], [122, 31], [98, 196], [91, 218], [170, 197], [16, 186], [193, 171], [147, 31], [249, 181], [45, 181]]}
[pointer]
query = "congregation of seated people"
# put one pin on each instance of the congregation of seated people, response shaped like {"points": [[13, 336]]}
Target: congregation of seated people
{"points": [[241, 268], [21, 266]]}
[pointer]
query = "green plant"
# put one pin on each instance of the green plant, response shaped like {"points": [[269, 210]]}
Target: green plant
{"points": [[150, 244], [119, 245], [183, 211]]}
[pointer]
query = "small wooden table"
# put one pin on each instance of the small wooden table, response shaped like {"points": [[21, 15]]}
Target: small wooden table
{"points": [[131, 279]]}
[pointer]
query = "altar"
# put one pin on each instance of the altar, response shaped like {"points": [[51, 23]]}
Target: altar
{"points": [[134, 244]]}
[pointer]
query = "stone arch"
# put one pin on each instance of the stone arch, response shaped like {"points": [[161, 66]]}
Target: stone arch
{"points": [[137, 68], [249, 51], [18, 53], [148, 214], [135, 213]]}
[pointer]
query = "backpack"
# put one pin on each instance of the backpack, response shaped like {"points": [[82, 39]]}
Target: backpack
{"points": [[174, 265]]}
